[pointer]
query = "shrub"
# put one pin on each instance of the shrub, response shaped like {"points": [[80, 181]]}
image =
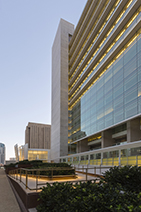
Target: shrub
{"points": [[10, 165], [129, 177], [87, 197], [119, 191]]}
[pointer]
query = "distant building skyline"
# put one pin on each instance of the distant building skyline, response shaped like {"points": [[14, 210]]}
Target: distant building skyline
{"points": [[2, 153]]}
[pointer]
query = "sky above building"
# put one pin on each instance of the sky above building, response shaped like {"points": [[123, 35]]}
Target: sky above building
{"points": [[27, 32]]}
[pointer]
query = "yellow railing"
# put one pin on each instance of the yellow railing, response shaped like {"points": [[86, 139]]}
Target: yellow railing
{"points": [[84, 162], [124, 161], [139, 160], [95, 162], [75, 162], [116, 161], [110, 161], [130, 160]]}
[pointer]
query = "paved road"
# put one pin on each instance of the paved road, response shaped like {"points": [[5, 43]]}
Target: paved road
{"points": [[8, 202]]}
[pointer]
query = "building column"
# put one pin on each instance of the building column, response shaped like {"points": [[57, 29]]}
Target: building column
{"points": [[84, 146], [78, 146], [107, 138], [133, 130]]}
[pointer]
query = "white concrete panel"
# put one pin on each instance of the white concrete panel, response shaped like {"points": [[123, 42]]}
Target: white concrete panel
{"points": [[59, 120]]}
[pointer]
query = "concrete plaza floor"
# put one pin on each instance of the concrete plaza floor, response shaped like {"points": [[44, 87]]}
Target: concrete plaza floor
{"points": [[8, 202]]}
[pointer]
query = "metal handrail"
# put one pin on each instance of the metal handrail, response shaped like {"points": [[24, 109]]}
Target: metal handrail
{"points": [[49, 169], [14, 174]]}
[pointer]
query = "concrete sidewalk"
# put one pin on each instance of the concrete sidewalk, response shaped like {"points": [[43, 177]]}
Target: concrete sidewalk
{"points": [[8, 202]]}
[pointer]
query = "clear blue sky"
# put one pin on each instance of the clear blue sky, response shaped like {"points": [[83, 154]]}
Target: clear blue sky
{"points": [[27, 31]]}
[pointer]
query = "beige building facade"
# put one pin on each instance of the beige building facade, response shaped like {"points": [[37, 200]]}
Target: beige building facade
{"points": [[37, 136], [59, 113]]}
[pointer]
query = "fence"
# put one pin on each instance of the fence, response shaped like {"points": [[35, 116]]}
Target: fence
{"points": [[120, 155], [26, 175], [23, 175], [96, 171], [127, 160]]}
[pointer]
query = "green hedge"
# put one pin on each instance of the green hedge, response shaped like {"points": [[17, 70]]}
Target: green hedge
{"points": [[105, 196], [49, 165], [55, 172], [37, 164], [129, 177], [49, 173]]}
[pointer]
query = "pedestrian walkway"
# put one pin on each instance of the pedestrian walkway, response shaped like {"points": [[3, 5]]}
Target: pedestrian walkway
{"points": [[8, 202]]}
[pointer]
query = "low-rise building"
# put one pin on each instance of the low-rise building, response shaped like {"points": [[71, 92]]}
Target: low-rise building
{"points": [[26, 153], [37, 143]]}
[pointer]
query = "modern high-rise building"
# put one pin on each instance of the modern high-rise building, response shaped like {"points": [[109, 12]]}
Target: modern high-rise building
{"points": [[105, 75], [2, 153], [59, 113], [104, 78]]}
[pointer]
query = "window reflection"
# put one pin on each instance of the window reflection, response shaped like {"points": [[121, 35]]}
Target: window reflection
{"points": [[114, 97]]}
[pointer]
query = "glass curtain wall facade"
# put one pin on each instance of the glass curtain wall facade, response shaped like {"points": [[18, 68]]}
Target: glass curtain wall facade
{"points": [[105, 68], [37, 155]]}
